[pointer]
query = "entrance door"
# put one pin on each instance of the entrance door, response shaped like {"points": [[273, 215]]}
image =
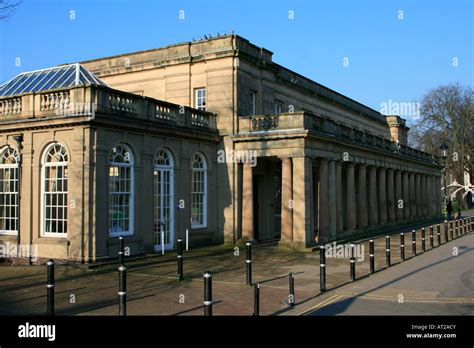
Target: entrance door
{"points": [[163, 201]]}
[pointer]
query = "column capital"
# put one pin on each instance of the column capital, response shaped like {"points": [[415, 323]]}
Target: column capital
{"points": [[285, 159]]}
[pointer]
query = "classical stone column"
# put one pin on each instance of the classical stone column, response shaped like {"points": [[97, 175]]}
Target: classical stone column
{"points": [[382, 197], [437, 181], [339, 201], [431, 196], [323, 219], [413, 204], [286, 200], [303, 235], [398, 196], [247, 202], [418, 195], [406, 195], [426, 195], [351, 211], [332, 199], [362, 204], [373, 210], [390, 195]]}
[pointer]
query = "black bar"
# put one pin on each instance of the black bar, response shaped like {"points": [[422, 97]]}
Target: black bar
{"points": [[423, 238], [50, 288], [402, 246], [121, 252], [451, 229], [431, 237], [387, 251], [456, 227], [256, 299], [249, 263], [464, 225], [122, 290], [438, 233], [413, 242], [352, 262], [180, 259], [322, 268], [208, 294], [372, 256], [446, 239], [291, 297]]}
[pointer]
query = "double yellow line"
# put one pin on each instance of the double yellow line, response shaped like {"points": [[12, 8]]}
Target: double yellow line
{"points": [[326, 302]]}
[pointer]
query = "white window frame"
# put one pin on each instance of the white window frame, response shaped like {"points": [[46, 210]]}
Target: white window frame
{"points": [[198, 99], [278, 108], [253, 103], [131, 207], [202, 170], [45, 164], [170, 168], [15, 166]]}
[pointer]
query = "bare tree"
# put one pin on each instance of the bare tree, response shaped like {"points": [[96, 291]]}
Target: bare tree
{"points": [[7, 8], [447, 116]]}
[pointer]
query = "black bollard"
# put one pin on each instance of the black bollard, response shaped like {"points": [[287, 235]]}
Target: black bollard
{"points": [[423, 239], [121, 252], [352, 262], [291, 283], [50, 288], [464, 225], [249, 263], [413, 242], [322, 268], [446, 227], [438, 233], [451, 230], [180, 259], [207, 294], [387, 251], [431, 237], [402, 246], [456, 227], [372, 255], [122, 290], [256, 299]]}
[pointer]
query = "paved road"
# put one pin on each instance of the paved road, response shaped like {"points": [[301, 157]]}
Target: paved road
{"points": [[435, 283]]}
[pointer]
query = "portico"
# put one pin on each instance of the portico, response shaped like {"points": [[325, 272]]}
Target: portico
{"points": [[330, 186]]}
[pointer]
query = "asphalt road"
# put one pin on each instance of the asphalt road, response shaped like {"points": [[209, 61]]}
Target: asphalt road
{"points": [[438, 282]]}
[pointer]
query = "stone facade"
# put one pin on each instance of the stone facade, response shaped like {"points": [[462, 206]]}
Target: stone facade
{"points": [[326, 166]]}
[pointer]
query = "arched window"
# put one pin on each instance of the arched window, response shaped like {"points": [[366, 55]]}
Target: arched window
{"points": [[121, 191], [199, 192], [163, 200], [54, 195], [9, 172]]}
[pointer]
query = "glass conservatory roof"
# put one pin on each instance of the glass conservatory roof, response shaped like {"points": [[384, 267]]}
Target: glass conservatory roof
{"points": [[41, 80]]}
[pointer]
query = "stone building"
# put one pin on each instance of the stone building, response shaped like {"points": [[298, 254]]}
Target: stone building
{"points": [[210, 136]]}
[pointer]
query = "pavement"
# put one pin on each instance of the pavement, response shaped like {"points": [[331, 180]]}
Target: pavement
{"points": [[154, 290]]}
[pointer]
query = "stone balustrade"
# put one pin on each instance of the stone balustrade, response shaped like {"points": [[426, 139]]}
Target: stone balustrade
{"points": [[84, 101], [328, 127]]}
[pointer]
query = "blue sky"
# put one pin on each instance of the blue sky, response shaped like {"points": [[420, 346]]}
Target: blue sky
{"points": [[389, 58]]}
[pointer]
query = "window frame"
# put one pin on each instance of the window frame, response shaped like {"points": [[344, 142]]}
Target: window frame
{"points": [[253, 103], [15, 167], [202, 170], [197, 98], [43, 232], [131, 207]]}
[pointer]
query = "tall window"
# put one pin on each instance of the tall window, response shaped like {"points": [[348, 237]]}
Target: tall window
{"points": [[199, 192], [200, 98], [278, 108], [55, 187], [9, 159], [253, 103], [121, 191]]}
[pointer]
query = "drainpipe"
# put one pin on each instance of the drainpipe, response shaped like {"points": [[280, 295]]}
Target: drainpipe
{"points": [[19, 141]]}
